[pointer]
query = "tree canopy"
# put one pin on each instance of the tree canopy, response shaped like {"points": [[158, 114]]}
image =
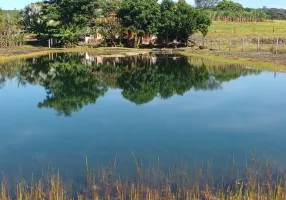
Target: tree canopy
{"points": [[229, 5], [180, 20], [206, 3], [113, 18]]}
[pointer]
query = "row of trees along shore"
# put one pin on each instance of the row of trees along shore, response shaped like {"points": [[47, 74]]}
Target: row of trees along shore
{"points": [[167, 20], [133, 19]]}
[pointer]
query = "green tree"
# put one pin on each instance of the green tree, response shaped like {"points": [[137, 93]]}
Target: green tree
{"points": [[228, 5], [70, 35], [79, 13], [206, 3], [140, 16], [182, 21], [108, 24], [33, 20], [167, 25]]}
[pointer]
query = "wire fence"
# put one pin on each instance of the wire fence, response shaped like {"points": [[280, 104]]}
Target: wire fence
{"points": [[276, 46]]}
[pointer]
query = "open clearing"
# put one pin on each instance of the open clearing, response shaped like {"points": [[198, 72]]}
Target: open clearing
{"points": [[234, 30]]}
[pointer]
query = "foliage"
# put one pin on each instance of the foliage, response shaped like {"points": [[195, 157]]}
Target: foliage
{"points": [[206, 3], [139, 17], [70, 35], [140, 14], [238, 16], [113, 19], [14, 14], [108, 24], [229, 5], [179, 21], [228, 10], [74, 12], [10, 33], [275, 13], [32, 18]]}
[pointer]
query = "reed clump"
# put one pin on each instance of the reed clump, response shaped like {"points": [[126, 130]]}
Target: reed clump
{"points": [[256, 181]]}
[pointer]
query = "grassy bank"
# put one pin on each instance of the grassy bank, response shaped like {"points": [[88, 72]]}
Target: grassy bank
{"points": [[252, 43], [7, 54], [258, 60], [256, 181], [261, 60]]}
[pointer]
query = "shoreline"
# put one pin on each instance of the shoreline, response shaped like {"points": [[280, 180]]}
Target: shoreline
{"points": [[227, 59], [39, 51], [266, 61]]}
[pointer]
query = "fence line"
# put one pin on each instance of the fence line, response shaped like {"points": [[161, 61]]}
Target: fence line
{"points": [[276, 46]]}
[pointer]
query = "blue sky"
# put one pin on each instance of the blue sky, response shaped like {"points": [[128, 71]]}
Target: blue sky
{"points": [[18, 4]]}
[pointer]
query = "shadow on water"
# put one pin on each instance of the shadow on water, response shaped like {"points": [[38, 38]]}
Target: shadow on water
{"points": [[72, 81]]}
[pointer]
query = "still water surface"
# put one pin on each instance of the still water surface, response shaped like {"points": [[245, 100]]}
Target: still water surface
{"points": [[56, 109]]}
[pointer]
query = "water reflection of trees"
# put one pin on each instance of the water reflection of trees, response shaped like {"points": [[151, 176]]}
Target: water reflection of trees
{"points": [[72, 81]]}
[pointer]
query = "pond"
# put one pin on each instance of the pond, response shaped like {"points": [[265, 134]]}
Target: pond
{"points": [[59, 108]]}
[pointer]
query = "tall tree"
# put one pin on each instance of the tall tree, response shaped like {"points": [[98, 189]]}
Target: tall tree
{"points": [[75, 12], [108, 24], [180, 20], [167, 21], [32, 18], [140, 16], [229, 6], [206, 3]]}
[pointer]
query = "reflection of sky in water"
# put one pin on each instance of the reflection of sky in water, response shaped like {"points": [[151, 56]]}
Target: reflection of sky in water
{"points": [[245, 113]]}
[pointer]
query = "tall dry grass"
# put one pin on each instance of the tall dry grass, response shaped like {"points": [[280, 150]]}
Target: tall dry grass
{"points": [[256, 182]]}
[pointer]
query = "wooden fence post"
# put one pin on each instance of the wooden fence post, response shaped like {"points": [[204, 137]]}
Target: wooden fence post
{"points": [[276, 46], [219, 45], [211, 44], [242, 45], [258, 44]]}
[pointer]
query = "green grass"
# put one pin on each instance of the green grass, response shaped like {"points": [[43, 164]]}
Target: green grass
{"points": [[234, 30], [238, 42], [260, 61]]}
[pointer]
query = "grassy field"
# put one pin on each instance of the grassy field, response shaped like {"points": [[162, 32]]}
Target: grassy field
{"points": [[234, 30], [246, 41], [228, 36]]}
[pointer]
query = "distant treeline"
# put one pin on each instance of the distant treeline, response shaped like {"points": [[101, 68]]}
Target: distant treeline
{"points": [[227, 10], [275, 13]]}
